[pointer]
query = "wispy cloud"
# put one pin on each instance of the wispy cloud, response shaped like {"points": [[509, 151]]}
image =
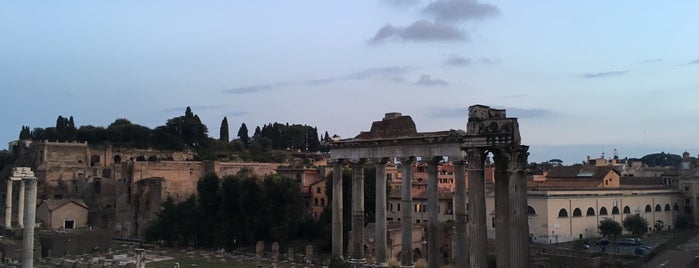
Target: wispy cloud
{"points": [[604, 74], [458, 60], [400, 3], [693, 62], [455, 10], [391, 73], [422, 30], [427, 80]]}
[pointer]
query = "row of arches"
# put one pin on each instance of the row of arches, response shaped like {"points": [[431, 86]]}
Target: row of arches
{"points": [[577, 212]]}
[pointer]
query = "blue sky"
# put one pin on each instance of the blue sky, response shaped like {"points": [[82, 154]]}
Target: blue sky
{"points": [[583, 77]]}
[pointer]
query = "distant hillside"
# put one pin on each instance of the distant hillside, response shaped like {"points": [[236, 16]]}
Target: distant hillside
{"points": [[661, 159]]}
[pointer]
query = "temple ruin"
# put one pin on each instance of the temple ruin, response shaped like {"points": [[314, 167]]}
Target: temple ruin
{"points": [[395, 137]]}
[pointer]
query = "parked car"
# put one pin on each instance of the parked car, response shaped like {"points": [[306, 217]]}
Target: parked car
{"points": [[629, 242], [641, 250]]}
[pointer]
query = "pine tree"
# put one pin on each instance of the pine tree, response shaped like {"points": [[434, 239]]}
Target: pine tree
{"points": [[224, 130]]}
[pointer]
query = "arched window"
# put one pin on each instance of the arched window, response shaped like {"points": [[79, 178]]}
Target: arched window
{"points": [[648, 208], [603, 211], [315, 201], [322, 202], [627, 210], [577, 212], [667, 207], [676, 207], [94, 160], [658, 208], [531, 210], [615, 211], [117, 159], [563, 213], [590, 212]]}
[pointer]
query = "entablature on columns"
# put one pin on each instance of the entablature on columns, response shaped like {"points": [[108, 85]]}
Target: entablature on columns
{"points": [[422, 150]]}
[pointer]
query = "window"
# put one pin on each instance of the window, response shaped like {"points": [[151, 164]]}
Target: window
{"points": [[686, 188], [648, 209], [603, 211], [627, 210], [563, 213], [615, 211], [318, 190], [531, 211], [322, 202], [667, 207], [398, 206], [687, 201], [390, 205], [315, 201], [676, 207], [577, 212], [590, 212], [658, 208]]}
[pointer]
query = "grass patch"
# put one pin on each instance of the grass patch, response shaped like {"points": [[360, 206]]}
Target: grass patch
{"points": [[186, 262]]}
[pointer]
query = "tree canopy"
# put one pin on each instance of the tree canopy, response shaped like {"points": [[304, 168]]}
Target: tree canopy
{"points": [[636, 225], [609, 227]]}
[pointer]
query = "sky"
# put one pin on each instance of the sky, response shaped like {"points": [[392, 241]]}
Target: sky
{"points": [[583, 77]]}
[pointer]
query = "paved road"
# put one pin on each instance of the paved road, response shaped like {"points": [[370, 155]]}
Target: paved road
{"points": [[682, 256]]}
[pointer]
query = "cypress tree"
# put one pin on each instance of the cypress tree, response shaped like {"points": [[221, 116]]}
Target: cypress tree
{"points": [[224, 130]]}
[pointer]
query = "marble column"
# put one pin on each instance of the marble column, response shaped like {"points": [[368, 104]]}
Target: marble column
{"points": [[380, 233], [502, 210], [8, 205], [406, 259], [20, 206], [29, 220], [478, 249], [358, 211], [461, 256], [337, 241], [432, 212], [519, 225]]}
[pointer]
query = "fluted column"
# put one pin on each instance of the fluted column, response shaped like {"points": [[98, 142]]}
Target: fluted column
{"points": [[358, 211], [29, 219], [380, 232], [407, 212], [477, 214], [337, 240], [519, 226], [502, 210], [432, 212], [8, 205], [20, 205], [461, 257]]}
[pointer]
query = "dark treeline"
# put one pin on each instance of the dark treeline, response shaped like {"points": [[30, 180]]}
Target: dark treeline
{"points": [[187, 132], [238, 211]]}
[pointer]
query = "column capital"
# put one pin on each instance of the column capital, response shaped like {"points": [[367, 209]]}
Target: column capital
{"points": [[379, 160], [334, 161], [432, 159], [357, 161], [406, 160]]}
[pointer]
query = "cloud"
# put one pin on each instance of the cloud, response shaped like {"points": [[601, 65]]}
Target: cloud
{"points": [[253, 89], [457, 60], [693, 62], [391, 73], [455, 10], [426, 80], [422, 30], [400, 3], [604, 74]]}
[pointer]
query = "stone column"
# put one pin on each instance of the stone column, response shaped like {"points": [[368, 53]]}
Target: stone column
{"points": [[461, 255], [502, 210], [8, 205], [337, 241], [406, 259], [358, 211], [20, 206], [29, 219], [519, 226], [432, 212], [380, 233], [477, 214]]}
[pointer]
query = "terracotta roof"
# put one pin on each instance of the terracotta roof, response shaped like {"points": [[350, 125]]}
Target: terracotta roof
{"points": [[589, 172], [53, 204], [421, 193]]}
